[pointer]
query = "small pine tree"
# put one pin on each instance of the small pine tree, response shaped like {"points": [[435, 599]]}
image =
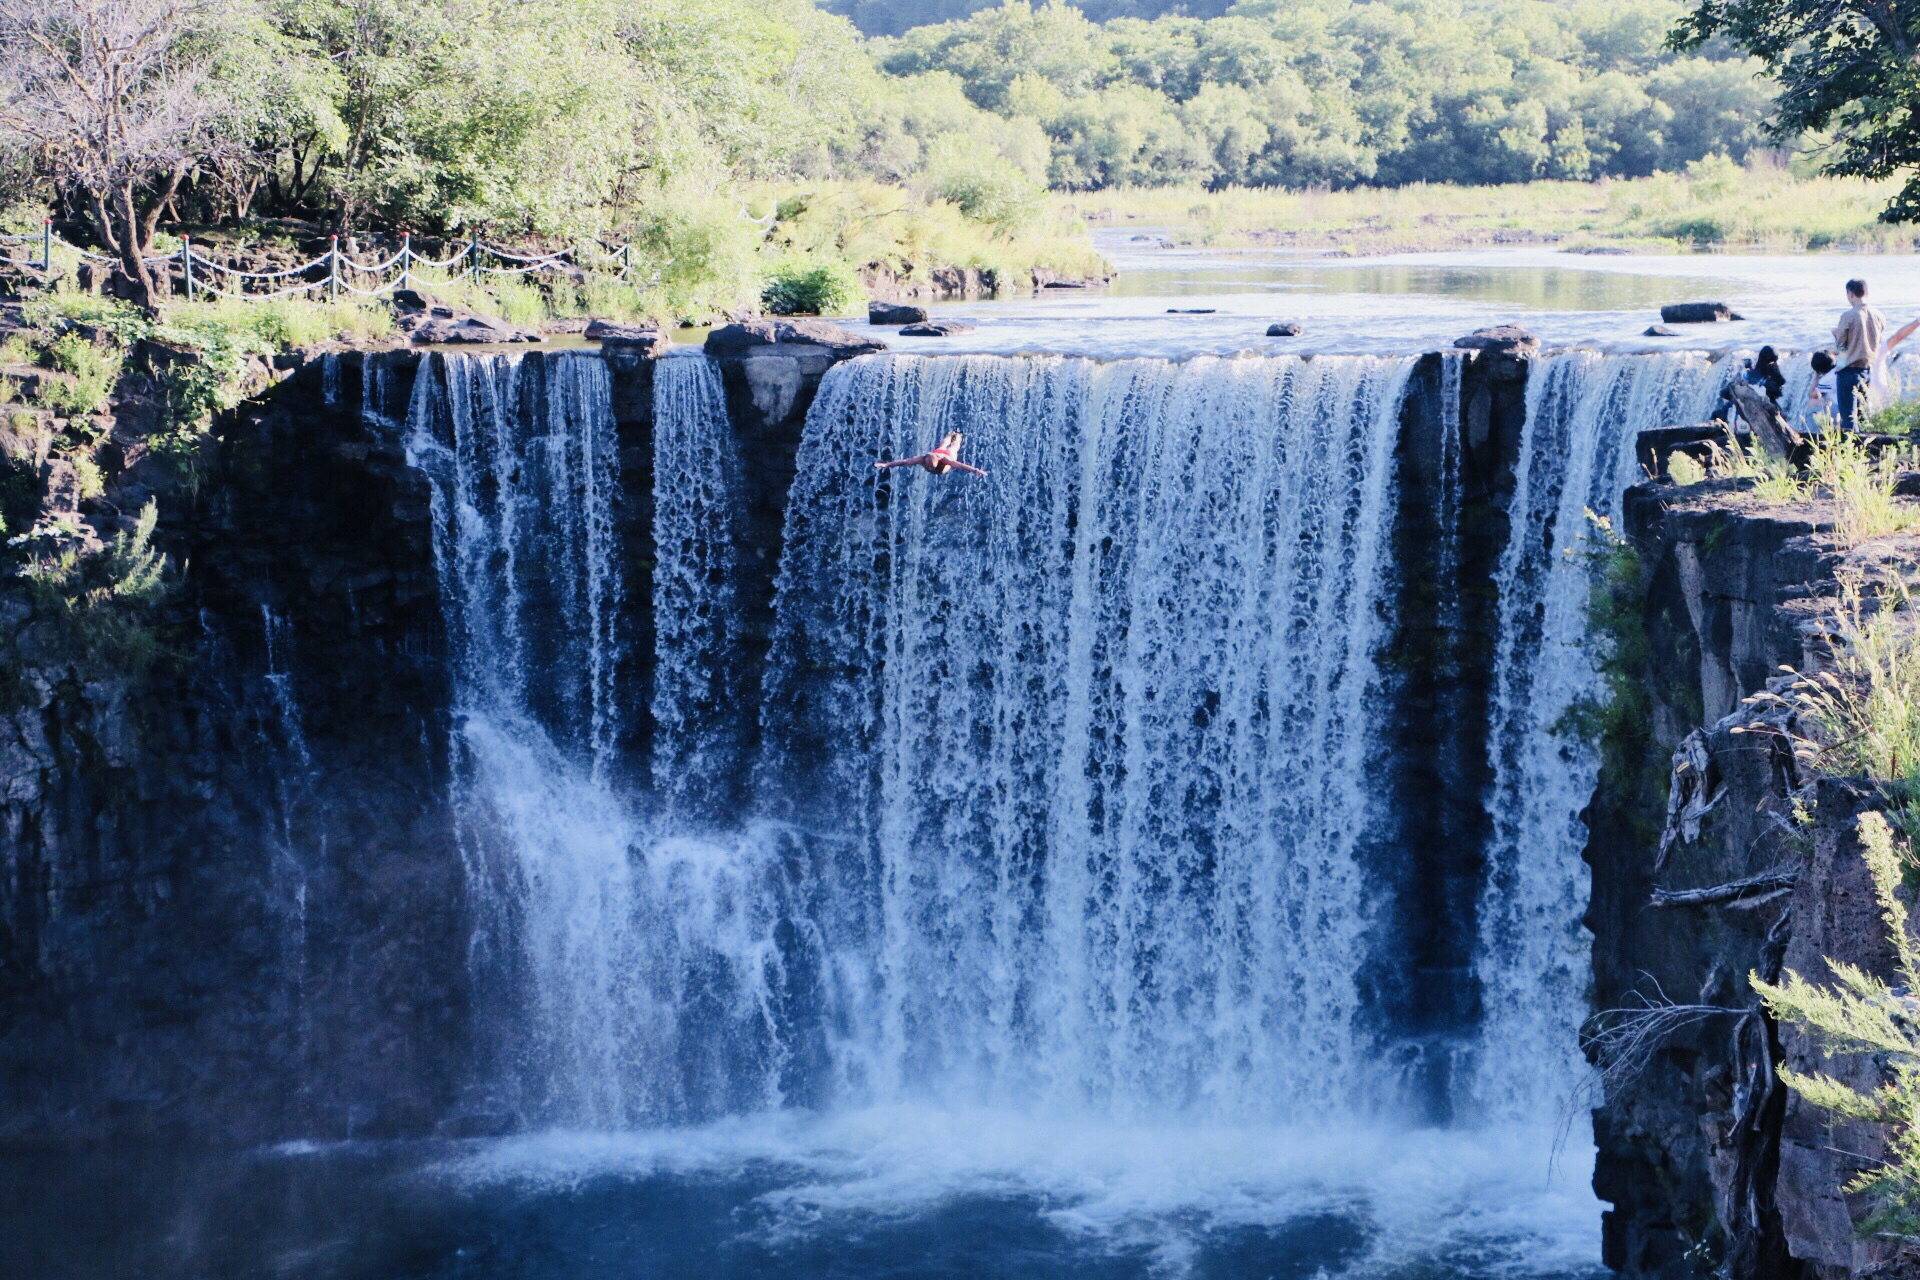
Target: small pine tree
{"points": [[1863, 1014]]}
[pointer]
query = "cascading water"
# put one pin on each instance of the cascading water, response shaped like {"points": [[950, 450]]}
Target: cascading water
{"points": [[1068, 781], [1584, 411], [1097, 723], [697, 661], [630, 967]]}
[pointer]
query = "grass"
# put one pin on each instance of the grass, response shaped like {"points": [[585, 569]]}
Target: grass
{"points": [[1841, 469], [279, 324], [1714, 204]]}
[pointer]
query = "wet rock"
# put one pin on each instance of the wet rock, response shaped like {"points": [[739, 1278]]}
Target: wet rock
{"points": [[1502, 337], [1190, 311], [1063, 284], [936, 329], [895, 313], [1660, 331], [1696, 313], [1503, 351], [1284, 329], [835, 341], [645, 339]]}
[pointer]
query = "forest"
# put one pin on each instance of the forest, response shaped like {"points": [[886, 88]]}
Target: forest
{"points": [[719, 136]]}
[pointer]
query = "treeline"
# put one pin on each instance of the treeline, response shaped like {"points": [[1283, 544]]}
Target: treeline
{"points": [[1303, 92], [667, 124], [894, 17]]}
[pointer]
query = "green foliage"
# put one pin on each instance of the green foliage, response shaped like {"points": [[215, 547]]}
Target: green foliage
{"points": [[1299, 92], [1901, 418], [1860, 1013], [1863, 714], [94, 368], [101, 603], [816, 287], [1842, 470], [1847, 76]]}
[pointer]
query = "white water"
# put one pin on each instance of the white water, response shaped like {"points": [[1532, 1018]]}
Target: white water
{"points": [[1533, 958], [1077, 759], [1098, 723]]}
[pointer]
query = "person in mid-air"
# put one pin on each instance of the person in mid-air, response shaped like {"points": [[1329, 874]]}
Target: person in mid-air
{"points": [[939, 461]]}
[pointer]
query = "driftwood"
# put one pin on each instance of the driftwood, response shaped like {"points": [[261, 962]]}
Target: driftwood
{"points": [[1769, 424], [1763, 885], [1694, 791]]}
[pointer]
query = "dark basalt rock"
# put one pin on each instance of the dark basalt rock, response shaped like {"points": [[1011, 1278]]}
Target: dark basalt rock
{"points": [[1502, 351], [936, 329], [835, 341], [1660, 331], [1510, 338], [1697, 313], [645, 339], [1284, 329], [895, 313], [428, 320], [1190, 311]]}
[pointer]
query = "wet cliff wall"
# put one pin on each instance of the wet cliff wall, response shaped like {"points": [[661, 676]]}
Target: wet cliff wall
{"points": [[233, 903], [1711, 1165]]}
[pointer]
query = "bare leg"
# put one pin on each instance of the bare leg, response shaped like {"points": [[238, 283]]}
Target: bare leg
{"points": [[902, 462]]}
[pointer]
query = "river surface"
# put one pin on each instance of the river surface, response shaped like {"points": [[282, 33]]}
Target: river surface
{"points": [[1422, 301]]}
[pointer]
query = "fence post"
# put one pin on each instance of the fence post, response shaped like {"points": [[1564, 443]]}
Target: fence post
{"points": [[46, 245], [186, 263], [473, 257], [333, 268], [406, 259]]}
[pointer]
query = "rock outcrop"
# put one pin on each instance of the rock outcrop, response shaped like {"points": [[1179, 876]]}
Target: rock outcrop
{"points": [[895, 313], [1696, 313], [1707, 1159]]}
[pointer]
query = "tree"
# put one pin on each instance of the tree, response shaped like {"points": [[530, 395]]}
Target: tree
{"points": [[1847, 71], [117, 100]]}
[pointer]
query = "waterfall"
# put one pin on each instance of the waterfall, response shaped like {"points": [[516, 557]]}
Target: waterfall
{"points": [[1097, 724], [1584, 411], [697, 662], [629, 974]]}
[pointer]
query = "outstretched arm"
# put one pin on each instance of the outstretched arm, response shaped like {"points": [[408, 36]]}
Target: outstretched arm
{"points": [[1904, 332], [970, 470]]}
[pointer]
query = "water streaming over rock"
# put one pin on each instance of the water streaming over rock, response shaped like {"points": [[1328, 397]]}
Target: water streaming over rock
{"points": [[1098, 723], [1064, 775], [1533, 956]]}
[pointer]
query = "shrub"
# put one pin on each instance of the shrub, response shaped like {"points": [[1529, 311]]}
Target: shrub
{"points": [[94, 369], [1898, 419], [102, 601], [819, 286], [1862, 1014]]}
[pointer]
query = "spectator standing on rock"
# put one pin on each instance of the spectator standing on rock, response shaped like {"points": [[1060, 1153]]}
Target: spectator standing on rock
{"points": [[1858, 339]]}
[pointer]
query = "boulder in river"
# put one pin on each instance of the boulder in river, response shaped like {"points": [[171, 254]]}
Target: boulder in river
{"points": [[836, 340], [1696, 313], [1283, 329], [611, 333], [895, 313], [1660, 331], [1190, 311], [1509, 338], [936, 329]]}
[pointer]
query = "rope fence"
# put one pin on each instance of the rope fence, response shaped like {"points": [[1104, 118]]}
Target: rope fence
{"points": [[335, 272]]}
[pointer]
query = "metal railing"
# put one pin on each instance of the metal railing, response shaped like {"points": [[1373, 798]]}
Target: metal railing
{"points": [[335, 272]]}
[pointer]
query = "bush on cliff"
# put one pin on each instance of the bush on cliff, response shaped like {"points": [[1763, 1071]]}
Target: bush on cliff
{"points": [[1861, 1013]]}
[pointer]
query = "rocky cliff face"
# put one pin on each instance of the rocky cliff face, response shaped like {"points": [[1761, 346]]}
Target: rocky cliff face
{"points": [[1708, 1161]]}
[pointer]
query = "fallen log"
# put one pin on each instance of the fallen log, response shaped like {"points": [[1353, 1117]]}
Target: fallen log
{"points": [[1759, 886], [1764, 417]]}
